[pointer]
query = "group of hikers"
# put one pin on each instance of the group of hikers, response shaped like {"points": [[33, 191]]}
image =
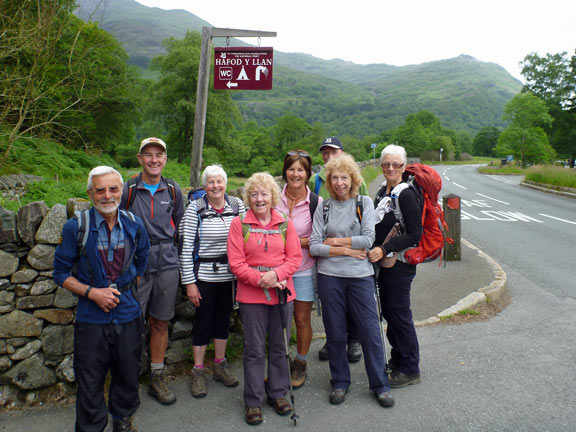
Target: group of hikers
{"points": [[319, 238]]}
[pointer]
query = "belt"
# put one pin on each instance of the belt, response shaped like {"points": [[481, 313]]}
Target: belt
{"points": [[157, 242], [264, 269], [221, 259]]}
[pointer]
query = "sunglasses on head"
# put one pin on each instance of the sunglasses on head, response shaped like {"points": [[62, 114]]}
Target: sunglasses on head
{"points": [[298, 153]]}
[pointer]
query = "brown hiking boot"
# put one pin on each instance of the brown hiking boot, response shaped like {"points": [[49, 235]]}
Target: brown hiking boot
{"points": [[253, 415], [198, 386], [298, 373], [159, 389], [223, 374], [123, 425]]}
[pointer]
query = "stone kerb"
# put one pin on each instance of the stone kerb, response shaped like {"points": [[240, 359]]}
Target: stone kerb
{"points": [[37, 316]]}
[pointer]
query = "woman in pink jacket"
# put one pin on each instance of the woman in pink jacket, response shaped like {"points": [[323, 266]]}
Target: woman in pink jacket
{"points": [[263, 253]]}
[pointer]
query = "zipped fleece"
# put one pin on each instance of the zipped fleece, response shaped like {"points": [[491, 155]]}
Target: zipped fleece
{"points": [[160, 221], [262, 250]]}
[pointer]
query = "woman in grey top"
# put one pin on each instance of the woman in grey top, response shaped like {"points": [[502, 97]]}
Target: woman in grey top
{"points": [[342, 231]]}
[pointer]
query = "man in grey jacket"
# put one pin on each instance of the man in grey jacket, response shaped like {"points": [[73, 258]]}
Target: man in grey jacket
{"points": [[158, 202]]}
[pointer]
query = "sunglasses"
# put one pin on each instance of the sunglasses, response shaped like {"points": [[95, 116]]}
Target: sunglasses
{"points": [[298, 153], [394, 165]]}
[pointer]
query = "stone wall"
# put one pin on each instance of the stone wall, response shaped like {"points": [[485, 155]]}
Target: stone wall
{"points": [[37, 316]]}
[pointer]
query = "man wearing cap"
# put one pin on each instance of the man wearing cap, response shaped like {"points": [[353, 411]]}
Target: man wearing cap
{"points": [[332, 147], [158, 201]]}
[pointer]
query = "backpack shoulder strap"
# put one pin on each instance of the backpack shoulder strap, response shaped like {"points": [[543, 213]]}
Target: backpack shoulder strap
{"points": [[131, 182], [380, 194], [83, 230], [233, 203], [313, 204], [317, 184], [359, 207], [395, 195], [171, 187]]}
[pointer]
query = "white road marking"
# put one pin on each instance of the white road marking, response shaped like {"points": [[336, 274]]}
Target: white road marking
{"points": [[493, 199], [558, 219], [500, 179], [460, 186]]}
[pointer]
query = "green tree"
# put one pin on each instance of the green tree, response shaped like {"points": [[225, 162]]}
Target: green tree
{"points": [[525, 137], [171, 106], [553, 79], [485, 141], [60, 78]]}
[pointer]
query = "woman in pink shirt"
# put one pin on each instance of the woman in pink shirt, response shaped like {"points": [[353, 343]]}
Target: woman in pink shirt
{"points": [[263, 253], [299, 203]]}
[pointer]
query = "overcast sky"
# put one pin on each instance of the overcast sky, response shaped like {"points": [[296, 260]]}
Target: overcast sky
{"points": [[401, 32]]}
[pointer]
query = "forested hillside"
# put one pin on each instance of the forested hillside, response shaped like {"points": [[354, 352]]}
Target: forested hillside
{"points": [[347, 98]]}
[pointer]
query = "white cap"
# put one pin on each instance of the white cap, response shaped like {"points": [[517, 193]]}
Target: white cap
{"points": [[152, 140]]}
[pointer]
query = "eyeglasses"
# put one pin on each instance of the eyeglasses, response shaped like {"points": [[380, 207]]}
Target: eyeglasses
{"points": [[111, 189], [395, 165], [156, 155]]}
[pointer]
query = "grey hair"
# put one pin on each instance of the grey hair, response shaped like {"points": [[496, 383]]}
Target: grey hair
{"points": [[213, 171], [101, 170], [393, 149]]}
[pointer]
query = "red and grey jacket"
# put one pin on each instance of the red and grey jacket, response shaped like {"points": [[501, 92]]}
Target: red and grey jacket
{"points": [[161, 215]]}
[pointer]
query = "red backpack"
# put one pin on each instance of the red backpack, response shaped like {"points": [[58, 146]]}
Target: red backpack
{"points": [[426, 183]]}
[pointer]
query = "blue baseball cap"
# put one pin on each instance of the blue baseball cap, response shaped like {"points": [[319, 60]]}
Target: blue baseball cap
{"points": [[333, 142]]}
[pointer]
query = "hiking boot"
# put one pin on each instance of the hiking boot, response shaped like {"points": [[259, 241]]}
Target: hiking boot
{"points": [[159, 389], [323, 353], [354, 352], [123, 425], [298, 373], [398, 379], [337, 396], [385, 399], [253, 415], [281, 406], [223, 374], [198, 386]]}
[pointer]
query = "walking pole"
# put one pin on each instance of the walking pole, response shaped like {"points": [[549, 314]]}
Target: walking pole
{"points": [[282, 296], [380, 317]]}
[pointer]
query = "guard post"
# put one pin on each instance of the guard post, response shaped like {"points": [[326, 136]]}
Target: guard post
{"points": [[452, 216]]}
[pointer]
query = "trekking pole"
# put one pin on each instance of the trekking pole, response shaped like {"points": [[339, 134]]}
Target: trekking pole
{"points": [[380, 318], [282, 298]]}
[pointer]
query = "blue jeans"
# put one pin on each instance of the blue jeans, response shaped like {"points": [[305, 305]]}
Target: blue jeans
{"points": [[355, 296]]}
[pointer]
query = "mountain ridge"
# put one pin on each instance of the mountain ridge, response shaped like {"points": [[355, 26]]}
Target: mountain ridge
{"points": [[465, 93]]}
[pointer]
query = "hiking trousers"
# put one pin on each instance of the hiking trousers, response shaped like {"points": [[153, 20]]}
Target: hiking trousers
{"points": [[401, 333], [99, 348], [263, 328], [356, 296]]}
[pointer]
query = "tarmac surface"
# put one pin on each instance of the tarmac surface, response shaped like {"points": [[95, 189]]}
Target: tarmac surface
{"points": [[438, 289]]}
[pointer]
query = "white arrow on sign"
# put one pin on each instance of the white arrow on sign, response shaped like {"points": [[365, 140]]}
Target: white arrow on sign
{"points": [[231, 84]]}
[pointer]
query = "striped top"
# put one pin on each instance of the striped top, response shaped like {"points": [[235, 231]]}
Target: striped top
{"points": [[214, 230]]}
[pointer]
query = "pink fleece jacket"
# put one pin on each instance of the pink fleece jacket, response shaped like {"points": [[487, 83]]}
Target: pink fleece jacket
{"points": [[262, 250]]}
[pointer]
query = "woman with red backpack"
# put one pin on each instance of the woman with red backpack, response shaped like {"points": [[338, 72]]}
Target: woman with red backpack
{"points": [[395, 279]]}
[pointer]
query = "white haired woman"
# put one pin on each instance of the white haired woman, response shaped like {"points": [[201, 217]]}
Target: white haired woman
{"points": [[395, 282], [204, 272]]}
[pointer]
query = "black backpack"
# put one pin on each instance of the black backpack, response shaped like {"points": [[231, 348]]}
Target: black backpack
{"points": [[201, 211]]}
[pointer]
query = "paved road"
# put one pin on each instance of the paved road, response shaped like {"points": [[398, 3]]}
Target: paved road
{"points": [[514, 372]]}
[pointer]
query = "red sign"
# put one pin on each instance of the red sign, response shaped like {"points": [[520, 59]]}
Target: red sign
{"points": [[243, 68]]}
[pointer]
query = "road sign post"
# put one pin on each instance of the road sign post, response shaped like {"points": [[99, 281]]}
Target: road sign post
{"points": [[202, 91]]}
